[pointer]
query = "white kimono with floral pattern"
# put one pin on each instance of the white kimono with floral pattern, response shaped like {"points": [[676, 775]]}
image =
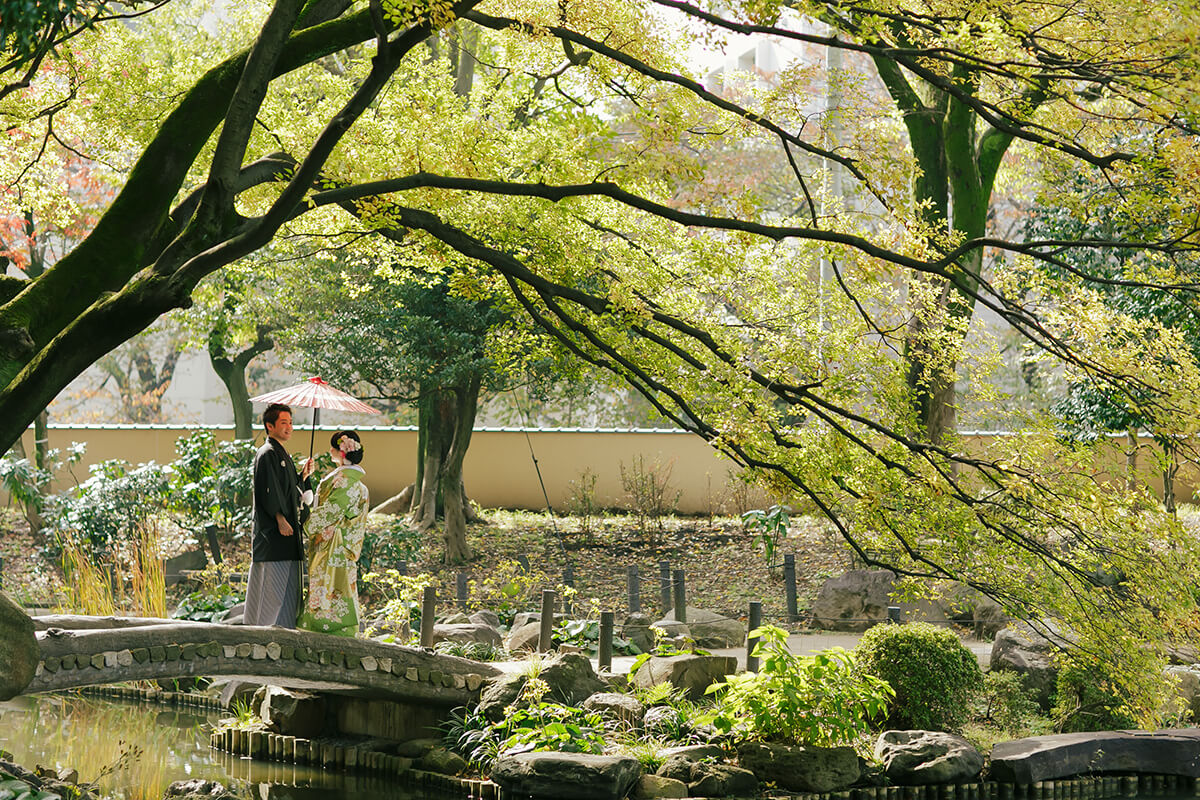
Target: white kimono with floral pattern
{"points": [[336, 530]]}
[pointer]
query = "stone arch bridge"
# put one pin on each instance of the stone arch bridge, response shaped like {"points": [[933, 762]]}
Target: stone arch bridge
{"points": [[79, 651]]}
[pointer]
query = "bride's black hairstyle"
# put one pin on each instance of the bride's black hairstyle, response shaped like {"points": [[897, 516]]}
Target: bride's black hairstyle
{"points": [[355, 456]]}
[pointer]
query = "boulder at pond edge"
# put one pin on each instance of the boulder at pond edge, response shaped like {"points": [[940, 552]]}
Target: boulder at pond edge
{"points": [[801, 768], [923, 757], [567, 776]]}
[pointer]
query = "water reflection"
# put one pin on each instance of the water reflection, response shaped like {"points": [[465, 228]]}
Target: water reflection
{"points": [[135, 751]]}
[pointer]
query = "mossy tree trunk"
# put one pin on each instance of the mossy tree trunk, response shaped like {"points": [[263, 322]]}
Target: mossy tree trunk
{"points": [[952, 187]]}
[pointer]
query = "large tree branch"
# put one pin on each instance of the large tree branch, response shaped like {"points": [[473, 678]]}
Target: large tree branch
{"points": [[256, 232], [948, 267], [992, 513], [130, 234], [81, 335], [239, 117]]}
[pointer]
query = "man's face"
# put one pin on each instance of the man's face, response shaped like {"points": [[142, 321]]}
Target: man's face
{"points": [[282, 429]]}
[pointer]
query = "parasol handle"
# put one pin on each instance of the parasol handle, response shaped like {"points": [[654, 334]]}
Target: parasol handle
{"points": [[312, 431]]}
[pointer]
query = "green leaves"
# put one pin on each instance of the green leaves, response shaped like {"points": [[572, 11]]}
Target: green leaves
{"points": [[586, 633], [770, 527], [821, 699], [539, 727]]}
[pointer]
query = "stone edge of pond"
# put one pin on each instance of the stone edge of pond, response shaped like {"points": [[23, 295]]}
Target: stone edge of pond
{"points": [[268, 746]]}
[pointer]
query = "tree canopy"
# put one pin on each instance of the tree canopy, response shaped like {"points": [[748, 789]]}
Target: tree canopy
{"points": [[587, 176]]}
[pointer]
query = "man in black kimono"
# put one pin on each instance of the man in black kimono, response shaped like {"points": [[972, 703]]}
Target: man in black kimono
{"points": [[274, 584]]}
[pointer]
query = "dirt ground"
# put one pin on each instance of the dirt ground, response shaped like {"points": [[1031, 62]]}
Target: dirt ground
{"points": [[724, 569]]}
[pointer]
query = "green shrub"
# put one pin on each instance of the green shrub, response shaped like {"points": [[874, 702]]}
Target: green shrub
{"points": [[385, 546], [17, 788], [401, 596], [210, 481], [108, 509], [1007, 704], [1005, 710], [820, 700], [935, 677]]}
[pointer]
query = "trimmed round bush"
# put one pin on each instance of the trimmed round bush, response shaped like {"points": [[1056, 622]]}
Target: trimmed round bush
{"points": [[934, 675]]}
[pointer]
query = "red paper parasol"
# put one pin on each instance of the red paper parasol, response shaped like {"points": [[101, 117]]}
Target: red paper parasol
{"points": [[316, 394]]}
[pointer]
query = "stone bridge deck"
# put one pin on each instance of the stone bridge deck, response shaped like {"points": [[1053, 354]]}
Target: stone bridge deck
{"points": [[85, 651]]}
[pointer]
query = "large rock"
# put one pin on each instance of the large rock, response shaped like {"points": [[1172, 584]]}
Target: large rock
{"points": [[198, 789], [922, 757], [1062, 755], [636, 629], [695, 752], [526, 617], [19, 650], [417, 748], [650, 787], [467, 632], [571, 679], [691, 673], [486, 616], [623, 709], [442, 761], [566, 776], [706, 779], [291, 712], [1020, 648], [524, 637], [710, 630], [673, 629], [859, 598], [801, 768], [174, 567]]}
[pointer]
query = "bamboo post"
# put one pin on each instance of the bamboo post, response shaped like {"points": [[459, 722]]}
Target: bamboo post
{"points": [[545, 633], [633, 582], [680, 593], [606, 640], [428, 615]]}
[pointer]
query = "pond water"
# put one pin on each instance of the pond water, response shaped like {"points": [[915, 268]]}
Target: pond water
{"points": [[135, 751]]}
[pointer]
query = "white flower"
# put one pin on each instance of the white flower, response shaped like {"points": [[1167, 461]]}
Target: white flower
{"points": [[348, 445]]}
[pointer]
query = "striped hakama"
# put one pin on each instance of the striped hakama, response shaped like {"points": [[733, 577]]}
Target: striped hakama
{"points": [[273, 593]]}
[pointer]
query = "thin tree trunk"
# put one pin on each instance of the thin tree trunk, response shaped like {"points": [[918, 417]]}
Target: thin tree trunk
{"points": [[41, 440], [435, 444], [1131, 460], [232, 372], [1170, 468], [423, 405], [455, 534]]}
